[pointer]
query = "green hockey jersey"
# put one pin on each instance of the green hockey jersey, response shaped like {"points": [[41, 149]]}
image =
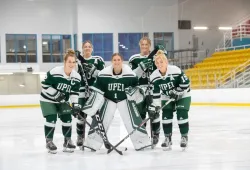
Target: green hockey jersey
{"points": [[57, 80], [99, 63], [174, 78], [113, 86]]}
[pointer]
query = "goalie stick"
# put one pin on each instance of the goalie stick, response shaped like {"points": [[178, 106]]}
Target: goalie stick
{"points": [[99, 130], [133, 131]]}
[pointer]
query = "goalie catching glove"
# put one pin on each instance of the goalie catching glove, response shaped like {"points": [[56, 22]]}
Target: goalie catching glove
{"points": [[135, 94]]}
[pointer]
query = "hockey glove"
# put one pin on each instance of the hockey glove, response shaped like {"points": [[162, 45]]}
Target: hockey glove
{"points": [[146, 64], [161, 47], [175, 93], [76, 109], [89, 69], [60, 97], [153, 111]]}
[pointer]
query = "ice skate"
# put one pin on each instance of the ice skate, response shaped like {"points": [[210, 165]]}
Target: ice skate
{"points": [[155, 140], [167, 143], [68, 145], [51, 147], [184, 142], [80, 141]]}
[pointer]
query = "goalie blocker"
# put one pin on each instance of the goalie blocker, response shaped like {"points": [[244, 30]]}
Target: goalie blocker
{"points": [[109, 94]]}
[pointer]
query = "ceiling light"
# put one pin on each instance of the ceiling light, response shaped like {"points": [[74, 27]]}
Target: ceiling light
{"points": [[200, 28], [6, 73], [225, 28], [22, 85]]}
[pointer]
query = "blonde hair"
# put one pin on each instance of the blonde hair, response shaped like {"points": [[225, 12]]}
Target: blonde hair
{"points": [[70, 53], [160, 55], [145, 39]]}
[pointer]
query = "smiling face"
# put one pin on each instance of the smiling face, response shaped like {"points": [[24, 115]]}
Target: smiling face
{"points": [[69, 63], [87, 49], [145, 45], [161, 63], [117, 62]]}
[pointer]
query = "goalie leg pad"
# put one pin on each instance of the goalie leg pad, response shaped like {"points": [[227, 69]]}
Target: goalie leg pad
{"points": [[132, 119], [107, 112]]}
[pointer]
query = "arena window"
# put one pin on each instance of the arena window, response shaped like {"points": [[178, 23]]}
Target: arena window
{"points": [[21, 48], [164, 38], [75, 42], [129, 43], [54, 47], [102, 42]]}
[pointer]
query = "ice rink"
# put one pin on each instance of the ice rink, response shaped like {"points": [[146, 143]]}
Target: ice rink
{"points": [[219, 139]]}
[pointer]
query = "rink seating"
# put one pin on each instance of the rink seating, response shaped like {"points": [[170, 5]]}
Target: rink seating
{"points": [[205, 73]]}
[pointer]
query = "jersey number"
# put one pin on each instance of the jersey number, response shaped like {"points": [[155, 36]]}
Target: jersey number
{"points": [[115, 95], [184, 78]]}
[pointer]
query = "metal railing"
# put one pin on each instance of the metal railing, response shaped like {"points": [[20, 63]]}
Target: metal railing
{"points": [[233, 48], [230, 78], [227, 39]]}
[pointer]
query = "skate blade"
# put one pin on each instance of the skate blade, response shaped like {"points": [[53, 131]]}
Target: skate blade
{"points": [[68, 150], [52, 152], [167, 148], [183, 149], [153, 146], [81, 148]]}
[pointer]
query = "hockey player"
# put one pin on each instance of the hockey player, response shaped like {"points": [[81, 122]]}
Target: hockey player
{"points": [[143, 67], [172, 83], [61, 84], [91, 65], [116, 88]]}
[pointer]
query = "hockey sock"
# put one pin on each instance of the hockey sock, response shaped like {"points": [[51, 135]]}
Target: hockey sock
{"points": [[49, 126], [182, 117], [167, 119], [66, 125]]}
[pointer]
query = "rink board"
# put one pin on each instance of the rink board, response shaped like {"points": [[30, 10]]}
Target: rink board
{"points": [[205, 97]]}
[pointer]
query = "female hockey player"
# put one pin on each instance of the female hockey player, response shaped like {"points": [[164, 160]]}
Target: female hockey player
{"points": [[61, 84], [143, 67], [172, 83], [91, 66], [108, 95]]}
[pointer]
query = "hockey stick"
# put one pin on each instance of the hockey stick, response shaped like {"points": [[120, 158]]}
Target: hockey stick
{"points": [[143, 122], [100, 131], [83, 76]]}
